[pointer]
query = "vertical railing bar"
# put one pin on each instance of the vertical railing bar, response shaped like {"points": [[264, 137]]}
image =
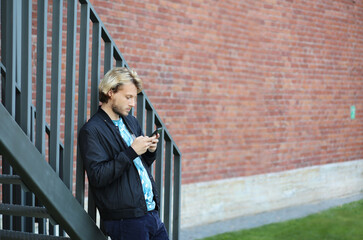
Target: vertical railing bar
{"points": [[3, 76], [29, 200], [49, 224], [17, 193], [18, 222], [41, 75], [141, 109], [96, 62], [70, 93], [150, 120], [32, 123], [82, 95], [9, 52], [177, 196], [42, 7], [42, 10], [31, 196], [8, 58], [26, 65], [55, 90], [2, 81], [159, 170], [26, 93], [95, 74], [18, 48], [61, 231], [56, 84], [119, 63], [5, 199], [118, 57], [168, 188], [108, 57]]}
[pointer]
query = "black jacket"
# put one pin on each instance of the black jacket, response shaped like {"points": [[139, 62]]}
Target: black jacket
{"points": [[112, 175]]}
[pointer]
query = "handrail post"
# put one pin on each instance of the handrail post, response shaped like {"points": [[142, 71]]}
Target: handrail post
{"points": [[8, 52], [70, 93], [82, 94]]}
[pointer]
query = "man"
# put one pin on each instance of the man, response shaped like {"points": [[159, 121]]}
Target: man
{"points": [[117, 158]]}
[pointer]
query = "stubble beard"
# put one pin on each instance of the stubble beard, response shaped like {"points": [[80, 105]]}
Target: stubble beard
{"points": [[119, 111]]}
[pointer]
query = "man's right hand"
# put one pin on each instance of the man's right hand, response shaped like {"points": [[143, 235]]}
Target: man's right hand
{"points": [[141, 144]]}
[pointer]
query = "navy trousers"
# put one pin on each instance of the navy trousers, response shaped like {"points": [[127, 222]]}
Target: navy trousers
{"points": [[143, 228]]}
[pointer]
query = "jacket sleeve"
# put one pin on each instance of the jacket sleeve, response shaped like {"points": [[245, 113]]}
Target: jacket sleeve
{"points": [[149, 157], [101, 168]]}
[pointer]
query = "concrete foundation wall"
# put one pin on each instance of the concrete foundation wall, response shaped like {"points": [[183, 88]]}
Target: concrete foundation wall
{"points": [[213, 201]]}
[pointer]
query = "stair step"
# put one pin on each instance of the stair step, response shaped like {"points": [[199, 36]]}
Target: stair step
{"points": [[13, 179], [14, 235], [26, 211], [10, 179]]}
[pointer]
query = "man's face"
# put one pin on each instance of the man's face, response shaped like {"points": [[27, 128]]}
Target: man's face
{"points": [[124, 99]]}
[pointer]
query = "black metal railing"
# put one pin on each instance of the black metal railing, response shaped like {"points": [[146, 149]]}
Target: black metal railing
{"points": [[44, 123]]}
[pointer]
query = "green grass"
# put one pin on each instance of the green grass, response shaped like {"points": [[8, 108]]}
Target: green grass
{"points": [[339, 223]]}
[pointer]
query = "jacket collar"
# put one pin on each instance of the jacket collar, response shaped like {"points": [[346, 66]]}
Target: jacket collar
{"points": [[104, 115]]}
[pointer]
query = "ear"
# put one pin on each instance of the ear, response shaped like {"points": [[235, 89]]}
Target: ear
{"points": [[110, 93]]}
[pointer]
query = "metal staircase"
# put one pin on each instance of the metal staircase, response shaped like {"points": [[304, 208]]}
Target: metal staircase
{"points": [[45, 184], [38, 125]]}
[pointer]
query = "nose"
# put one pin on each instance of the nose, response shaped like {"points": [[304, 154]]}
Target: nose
{"points": [[132, 102]]}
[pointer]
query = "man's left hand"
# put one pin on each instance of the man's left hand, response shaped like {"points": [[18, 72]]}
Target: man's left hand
{"points": [[154, 144]]}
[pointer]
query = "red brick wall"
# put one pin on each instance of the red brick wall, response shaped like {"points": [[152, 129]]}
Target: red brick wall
{"points": [[248, 87], [245, 87]]}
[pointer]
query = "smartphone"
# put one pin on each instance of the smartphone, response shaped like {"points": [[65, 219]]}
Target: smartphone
{"points": [[159, 130]]}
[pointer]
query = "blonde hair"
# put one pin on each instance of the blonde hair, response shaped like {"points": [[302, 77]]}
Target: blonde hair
{"points": [[115, 78]]}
